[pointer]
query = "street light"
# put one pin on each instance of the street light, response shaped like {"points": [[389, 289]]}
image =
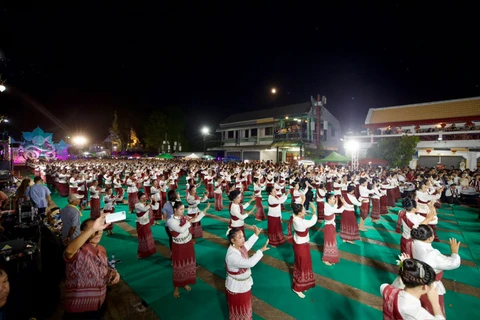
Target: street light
{"points": [[2, 87], [352, 146], [205, 134], [274, 90]]}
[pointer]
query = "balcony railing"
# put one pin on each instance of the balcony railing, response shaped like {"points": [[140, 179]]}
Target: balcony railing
{"points": [[423, 136], [298, 135]]}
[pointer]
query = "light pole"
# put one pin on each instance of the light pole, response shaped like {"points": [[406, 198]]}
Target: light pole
{"points": [[352, 146], [205, 134]]}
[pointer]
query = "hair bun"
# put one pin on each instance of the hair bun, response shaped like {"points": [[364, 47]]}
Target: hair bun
{"points": [[409, 265]]}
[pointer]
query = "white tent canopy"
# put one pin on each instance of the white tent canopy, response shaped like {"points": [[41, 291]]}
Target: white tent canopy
{"points": [[192, 156]]}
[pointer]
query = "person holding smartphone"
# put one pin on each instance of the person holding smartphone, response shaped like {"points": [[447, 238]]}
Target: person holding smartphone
{"points": [[87, 272]]}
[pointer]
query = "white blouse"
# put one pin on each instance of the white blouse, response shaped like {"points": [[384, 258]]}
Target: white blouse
{"points": [[243, 282], [410, 307], [424, 251], [235, 211], [184, 232], [276, 211], [329, 210], [300, 224]]}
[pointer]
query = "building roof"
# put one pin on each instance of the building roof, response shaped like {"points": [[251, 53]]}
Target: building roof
{"points": [[432, 112], [277, 112]]}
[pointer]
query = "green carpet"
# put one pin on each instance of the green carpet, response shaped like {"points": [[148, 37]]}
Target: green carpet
{"points": [[151, 278]]}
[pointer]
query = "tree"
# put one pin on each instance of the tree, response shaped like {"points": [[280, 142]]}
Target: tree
{"points": [[155, 130], [398, 151]]}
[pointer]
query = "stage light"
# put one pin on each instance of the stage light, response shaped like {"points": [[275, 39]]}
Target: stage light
{"points": [[351, 145], [2, 88], [79, 140]]}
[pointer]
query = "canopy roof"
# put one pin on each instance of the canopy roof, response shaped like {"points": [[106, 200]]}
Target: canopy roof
{"points": [[335, 157]]}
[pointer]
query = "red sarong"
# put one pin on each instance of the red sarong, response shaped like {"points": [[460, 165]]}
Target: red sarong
{"points": [[184, 264], [330, 249], [320, 210], [146, 244], [349, 226], [218, 202], [147, 189], [375, 209], [132, 200], [406, 246], [197, 231], [260, 214], [239, 305], [364, 209], [63, 189], [383, 205], [94, 208], [303, 278], [275, 232]]}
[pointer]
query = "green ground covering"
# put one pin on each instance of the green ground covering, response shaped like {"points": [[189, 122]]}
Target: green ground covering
{"points": [[151, 278]]}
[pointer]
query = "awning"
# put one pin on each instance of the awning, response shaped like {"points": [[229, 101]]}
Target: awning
{"points": [[286, 144]]}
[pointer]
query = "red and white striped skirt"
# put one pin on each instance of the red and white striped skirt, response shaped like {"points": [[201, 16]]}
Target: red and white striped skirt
{"points": [[146, 244], [406, 246], [383, 205], [364, 209], [330, 249], [184, 264], [132, 200], [147, 189], [303, 278], [63, 189], [275, 232], [197, 231], [349, 226], [239, 305]]}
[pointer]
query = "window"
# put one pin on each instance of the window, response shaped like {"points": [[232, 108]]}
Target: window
{"points": [[253, 132], [325, 135], [230, 134], [246, 133], [269, 131], [333, 132]]}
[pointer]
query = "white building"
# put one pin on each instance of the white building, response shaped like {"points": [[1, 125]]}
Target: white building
{"points": [[449, 131], [281, 133]]}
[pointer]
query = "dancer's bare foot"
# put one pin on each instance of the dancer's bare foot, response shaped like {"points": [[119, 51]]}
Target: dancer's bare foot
{"points": [[363, 229], [327, 263], [300, 294], [187, 288], [258, 220], [176, 294], [350, 242]]}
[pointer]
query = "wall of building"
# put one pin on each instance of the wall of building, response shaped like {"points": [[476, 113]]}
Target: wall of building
{"points": [[266, 155]]}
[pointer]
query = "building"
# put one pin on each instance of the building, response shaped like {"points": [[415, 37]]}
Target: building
{"points": [[281, 133], [449, 131]]}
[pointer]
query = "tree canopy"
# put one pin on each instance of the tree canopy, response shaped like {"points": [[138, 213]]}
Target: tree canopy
{"points": [[398, 151]]}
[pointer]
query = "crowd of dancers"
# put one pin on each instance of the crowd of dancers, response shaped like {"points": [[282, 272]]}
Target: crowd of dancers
{"points": [[316, 194]]}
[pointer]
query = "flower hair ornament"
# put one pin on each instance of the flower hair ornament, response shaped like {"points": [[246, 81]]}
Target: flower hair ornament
{"points": [[402, 257]]}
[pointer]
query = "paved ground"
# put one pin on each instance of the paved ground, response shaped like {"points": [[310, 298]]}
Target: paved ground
{"points": [[120, 305]]}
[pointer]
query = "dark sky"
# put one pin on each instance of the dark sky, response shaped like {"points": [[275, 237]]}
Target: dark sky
{"points": [[82, 63]]}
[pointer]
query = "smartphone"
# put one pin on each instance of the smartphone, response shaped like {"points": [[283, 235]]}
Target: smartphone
{"points": [[83, 203], [117, 216]]}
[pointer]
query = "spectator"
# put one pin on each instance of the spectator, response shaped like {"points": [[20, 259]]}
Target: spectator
{"points": [[40, 195], [452, 195], [87, 273], [71, 218]]}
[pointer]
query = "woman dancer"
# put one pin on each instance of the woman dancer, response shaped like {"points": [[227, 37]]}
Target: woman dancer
{"points": [[257, 190], [422, 250], [183, 252], [418, 278], [193, 201], [303, 278], [237, 211], [348, 225], [330, 249], [94, 200], [239, 276], [146, 244], [409, 219], [275, 232]]}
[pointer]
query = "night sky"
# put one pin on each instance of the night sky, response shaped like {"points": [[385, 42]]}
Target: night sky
{"points": [[82, 63]]}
